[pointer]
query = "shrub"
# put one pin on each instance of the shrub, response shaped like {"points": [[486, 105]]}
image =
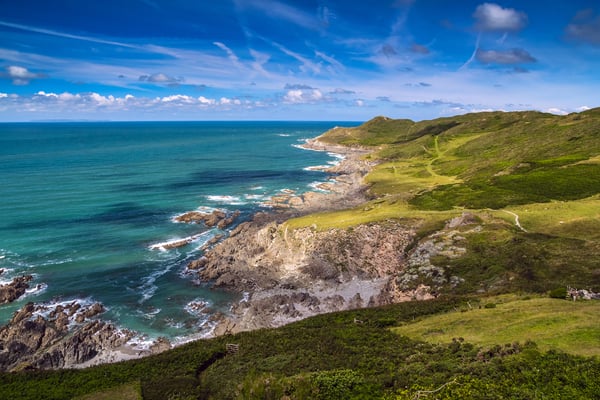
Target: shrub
{"points": [[558, 293]]}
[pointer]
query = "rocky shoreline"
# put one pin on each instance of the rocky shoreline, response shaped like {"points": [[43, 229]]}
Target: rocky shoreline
{"points": [[286, 275], [282, 274]]}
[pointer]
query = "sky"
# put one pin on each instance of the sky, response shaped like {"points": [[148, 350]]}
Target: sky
{"points": [[336, 60]]}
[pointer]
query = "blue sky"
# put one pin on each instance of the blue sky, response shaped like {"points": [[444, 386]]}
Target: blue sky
{"points": [[295, 60]]}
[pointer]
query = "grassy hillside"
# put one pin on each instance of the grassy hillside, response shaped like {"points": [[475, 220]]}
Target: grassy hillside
{"points": [[532, 182], [351, 355], [532, 178], [552, 324]]}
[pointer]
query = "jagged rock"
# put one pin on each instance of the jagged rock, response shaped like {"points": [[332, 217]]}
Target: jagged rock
{"points": [[197, 264], [17, 288], [159, 345], [32, 341], [217, 218]]}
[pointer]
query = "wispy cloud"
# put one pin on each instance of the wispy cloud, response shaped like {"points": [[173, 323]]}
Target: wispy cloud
{"points": [[307, 65], [512, 56], [282, 12], [230, 54], [51, 32], [585, 28]]}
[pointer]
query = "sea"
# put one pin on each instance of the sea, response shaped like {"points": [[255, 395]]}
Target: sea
{"points": [[86, 208]]}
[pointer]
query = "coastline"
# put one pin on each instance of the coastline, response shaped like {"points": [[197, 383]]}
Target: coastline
{"points": [[100, 341], [286, 276], [282, 276]]}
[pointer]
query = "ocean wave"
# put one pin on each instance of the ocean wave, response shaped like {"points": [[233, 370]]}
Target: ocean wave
{"points": [[226, 199], [284, 134], [317, 168], [151, 314], [45, 309], [148, 288], [317, 186], [35, 290], [255, 196], [180, 242], [197, 307]]}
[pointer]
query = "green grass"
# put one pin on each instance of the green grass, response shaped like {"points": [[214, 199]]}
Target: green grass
{"points": [[130, 391], [568, 326], [542, 167]]}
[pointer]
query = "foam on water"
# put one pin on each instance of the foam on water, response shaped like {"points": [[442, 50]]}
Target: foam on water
{"points": [[111, 192]]}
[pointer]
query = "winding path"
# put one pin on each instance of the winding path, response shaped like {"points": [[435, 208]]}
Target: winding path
{"points": [[517, 223]]}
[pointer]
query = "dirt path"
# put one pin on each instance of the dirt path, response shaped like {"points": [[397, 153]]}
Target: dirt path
{"points": [[517, 223]]}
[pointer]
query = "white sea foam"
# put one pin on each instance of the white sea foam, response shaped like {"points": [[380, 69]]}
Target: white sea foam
{"points": [[148, 287], [45, 309], [317, 168], [226, 199], [255, 196], [36, 289], [316, 186], [149, 314], [197, 307], [284, 134], [200, 238]]}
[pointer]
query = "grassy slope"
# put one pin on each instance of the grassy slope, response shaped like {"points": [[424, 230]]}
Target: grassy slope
{"points": [[345, 355], [541, 167], [569, 326]]}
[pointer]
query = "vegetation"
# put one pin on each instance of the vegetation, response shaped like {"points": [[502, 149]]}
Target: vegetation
{"points": [[531, 180], [552, 324], [350, 355]]}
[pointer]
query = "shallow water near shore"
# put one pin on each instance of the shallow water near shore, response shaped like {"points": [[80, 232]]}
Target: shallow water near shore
{"points": [[82, 205]]}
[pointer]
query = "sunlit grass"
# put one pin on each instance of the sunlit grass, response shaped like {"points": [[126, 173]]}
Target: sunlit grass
{"points": [[556, 324], [578, 219]]}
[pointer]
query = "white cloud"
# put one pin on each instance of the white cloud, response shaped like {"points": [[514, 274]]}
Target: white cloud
{"points": [[205, 101], [179, 98], [20, 75], [557, 111], [492, 17], [297, 96], [583, 108]]}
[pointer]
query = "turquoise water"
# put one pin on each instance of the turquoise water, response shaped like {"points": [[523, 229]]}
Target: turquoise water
{"points": [[81, 205]]}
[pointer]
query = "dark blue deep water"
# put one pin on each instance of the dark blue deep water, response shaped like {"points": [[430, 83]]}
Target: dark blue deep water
{"points": [[81, 205]]}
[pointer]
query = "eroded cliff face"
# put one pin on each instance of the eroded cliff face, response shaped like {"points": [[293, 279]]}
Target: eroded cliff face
{"points": [[289, 274]]}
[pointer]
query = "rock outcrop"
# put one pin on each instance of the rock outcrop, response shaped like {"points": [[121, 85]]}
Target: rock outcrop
{"points": [[17, 288], [63, 335], [217, 218]]}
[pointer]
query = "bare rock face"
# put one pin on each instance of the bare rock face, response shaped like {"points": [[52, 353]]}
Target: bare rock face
{"points": [[217, 218], [40, 336], [15, 289]]}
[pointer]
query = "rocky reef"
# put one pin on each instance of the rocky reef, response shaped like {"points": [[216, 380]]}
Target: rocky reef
{"points": [[17, 288]]}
